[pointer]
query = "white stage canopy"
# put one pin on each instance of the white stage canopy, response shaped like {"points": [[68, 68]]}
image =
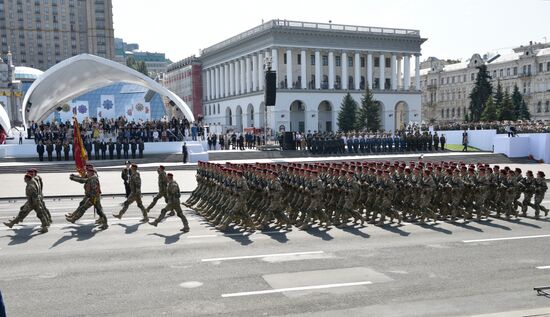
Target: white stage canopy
{"points": [[79, 75]]}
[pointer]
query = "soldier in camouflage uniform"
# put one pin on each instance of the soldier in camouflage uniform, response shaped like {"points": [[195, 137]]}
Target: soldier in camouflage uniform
{"points": [[172, 203], [540, 189], [33, 203], [92, 197], [162, 183], [135, 195], [40, 185]]}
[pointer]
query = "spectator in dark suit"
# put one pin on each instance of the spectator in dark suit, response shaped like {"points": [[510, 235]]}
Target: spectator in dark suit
{"points": [[40, 151], [126, 148], [58, 149], [111, 147], [141, 147], [49, 149], [103, 147], [133, 148], [66, 150]]}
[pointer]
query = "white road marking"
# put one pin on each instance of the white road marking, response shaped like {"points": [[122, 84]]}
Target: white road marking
{"points": [[293, 289], [508, 238], [203, 236], [543, 267], [259, 256]]}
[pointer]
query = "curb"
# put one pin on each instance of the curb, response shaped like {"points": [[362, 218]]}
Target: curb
{"points": [[9, 199]]}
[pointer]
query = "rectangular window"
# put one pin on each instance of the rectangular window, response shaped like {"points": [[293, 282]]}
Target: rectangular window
{"points": [[363, 62], [338, 61], [312, 59], [515, 71], [501, 73], [284, 58], [508, 71], [541, 65], [472, 76], [548, 67], [388, 62], [325, 60], [464, 78], [524, 69], [299, 59], [350, 61]]}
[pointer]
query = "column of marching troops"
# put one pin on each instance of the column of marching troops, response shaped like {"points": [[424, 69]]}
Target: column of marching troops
{"points": [[253, 196], [168, 189]]}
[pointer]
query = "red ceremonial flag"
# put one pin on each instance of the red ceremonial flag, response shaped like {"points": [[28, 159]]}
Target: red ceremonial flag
{"points": [[79, 152]]}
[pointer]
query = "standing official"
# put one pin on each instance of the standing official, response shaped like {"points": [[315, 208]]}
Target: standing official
{"points": [[184, 152], [125, 175]]}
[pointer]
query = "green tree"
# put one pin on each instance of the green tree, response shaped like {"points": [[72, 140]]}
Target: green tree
{"points": [[489, 110], [517, 100], [507, 111], [347, 114], [480, 93], [369, 113], [499, 97], [524, 113], [139, 66]]}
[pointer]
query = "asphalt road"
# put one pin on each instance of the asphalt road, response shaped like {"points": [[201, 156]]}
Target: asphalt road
{"points": [[135, 269]]}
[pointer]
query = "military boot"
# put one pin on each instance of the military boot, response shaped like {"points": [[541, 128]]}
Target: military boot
{"points": [[10, 223], [43, 229], [154, 223]]}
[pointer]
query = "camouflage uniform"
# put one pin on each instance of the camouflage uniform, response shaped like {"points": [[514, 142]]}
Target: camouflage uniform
{"points": [[135, 195], [173, 204], [33, 203], [92, 192]]}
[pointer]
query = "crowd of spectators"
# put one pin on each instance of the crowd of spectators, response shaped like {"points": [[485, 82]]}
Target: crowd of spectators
{"points": [[106, 137], [513, 127], [235, 141]]}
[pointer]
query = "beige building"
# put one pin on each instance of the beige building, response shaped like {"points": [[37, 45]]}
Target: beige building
{"points": [[41, 33], [446, 87]]}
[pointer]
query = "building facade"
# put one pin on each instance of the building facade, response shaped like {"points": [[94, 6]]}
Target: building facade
{"points": [[316, 65], [156, 63], [11, 93], [40, 34], [446, 87], [184, 79]]}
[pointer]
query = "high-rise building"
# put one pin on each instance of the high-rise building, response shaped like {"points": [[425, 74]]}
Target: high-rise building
{"points": [[41, 33]]}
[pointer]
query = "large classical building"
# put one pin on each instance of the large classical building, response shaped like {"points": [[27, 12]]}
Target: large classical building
{"points": [[316, 65], [41, 33], [446, 87]]}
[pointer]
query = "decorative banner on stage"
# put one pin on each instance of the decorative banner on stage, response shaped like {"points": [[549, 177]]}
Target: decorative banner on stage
{"points": [[142, 111], [82, 110], [66, 113], [106, 109], [129, 112]]}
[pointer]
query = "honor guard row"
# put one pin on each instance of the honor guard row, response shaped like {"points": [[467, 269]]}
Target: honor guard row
{"points": [[253, 196]]}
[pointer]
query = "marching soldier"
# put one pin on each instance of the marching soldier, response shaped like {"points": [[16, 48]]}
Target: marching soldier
{"points": [[135, 195], [173, 203], [162, 182], [33, 203], [92, 197], [40, 185]]}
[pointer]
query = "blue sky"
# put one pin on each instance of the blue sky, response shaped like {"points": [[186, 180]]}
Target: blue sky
{"points": [[455, 29]]}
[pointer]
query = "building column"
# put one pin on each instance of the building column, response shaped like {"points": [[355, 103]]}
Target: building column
{"points": [[357, 71], [275, 64], [331, 70], [217, 84], [237, 77], [370, 69], [222, 81], [407, 72], [317, 70], [303, 69], [254, 72], [382, 67], [399, 71], [288, 70], [417, 71], [231, 79], [243, 82], [393, 65], [208, 85], [226, 79], [344, 68], [247, 74], [260, 73]]}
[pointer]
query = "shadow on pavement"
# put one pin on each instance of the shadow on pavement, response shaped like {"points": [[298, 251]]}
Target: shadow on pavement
{"points": [[490, 223], [80, 233], [238, 235], [277, 236], [395, 229], [21, 235], [132, 228], [356, 231], [168, 239], [465, 226], [434, 227], [519, 222], [317, 232]]}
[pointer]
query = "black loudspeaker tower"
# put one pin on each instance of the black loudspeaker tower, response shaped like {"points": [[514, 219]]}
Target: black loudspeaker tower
{"points": [[149, 95], [288, 141], [270, 88]]}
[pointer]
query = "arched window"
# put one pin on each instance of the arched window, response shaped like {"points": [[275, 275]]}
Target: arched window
{"points": [[447, 112], [442, 113], [458, 112], [338, 82], [350, 82], [539, 107]]}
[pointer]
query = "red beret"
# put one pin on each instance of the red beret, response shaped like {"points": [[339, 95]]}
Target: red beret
{"points": [[170, 175]]}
